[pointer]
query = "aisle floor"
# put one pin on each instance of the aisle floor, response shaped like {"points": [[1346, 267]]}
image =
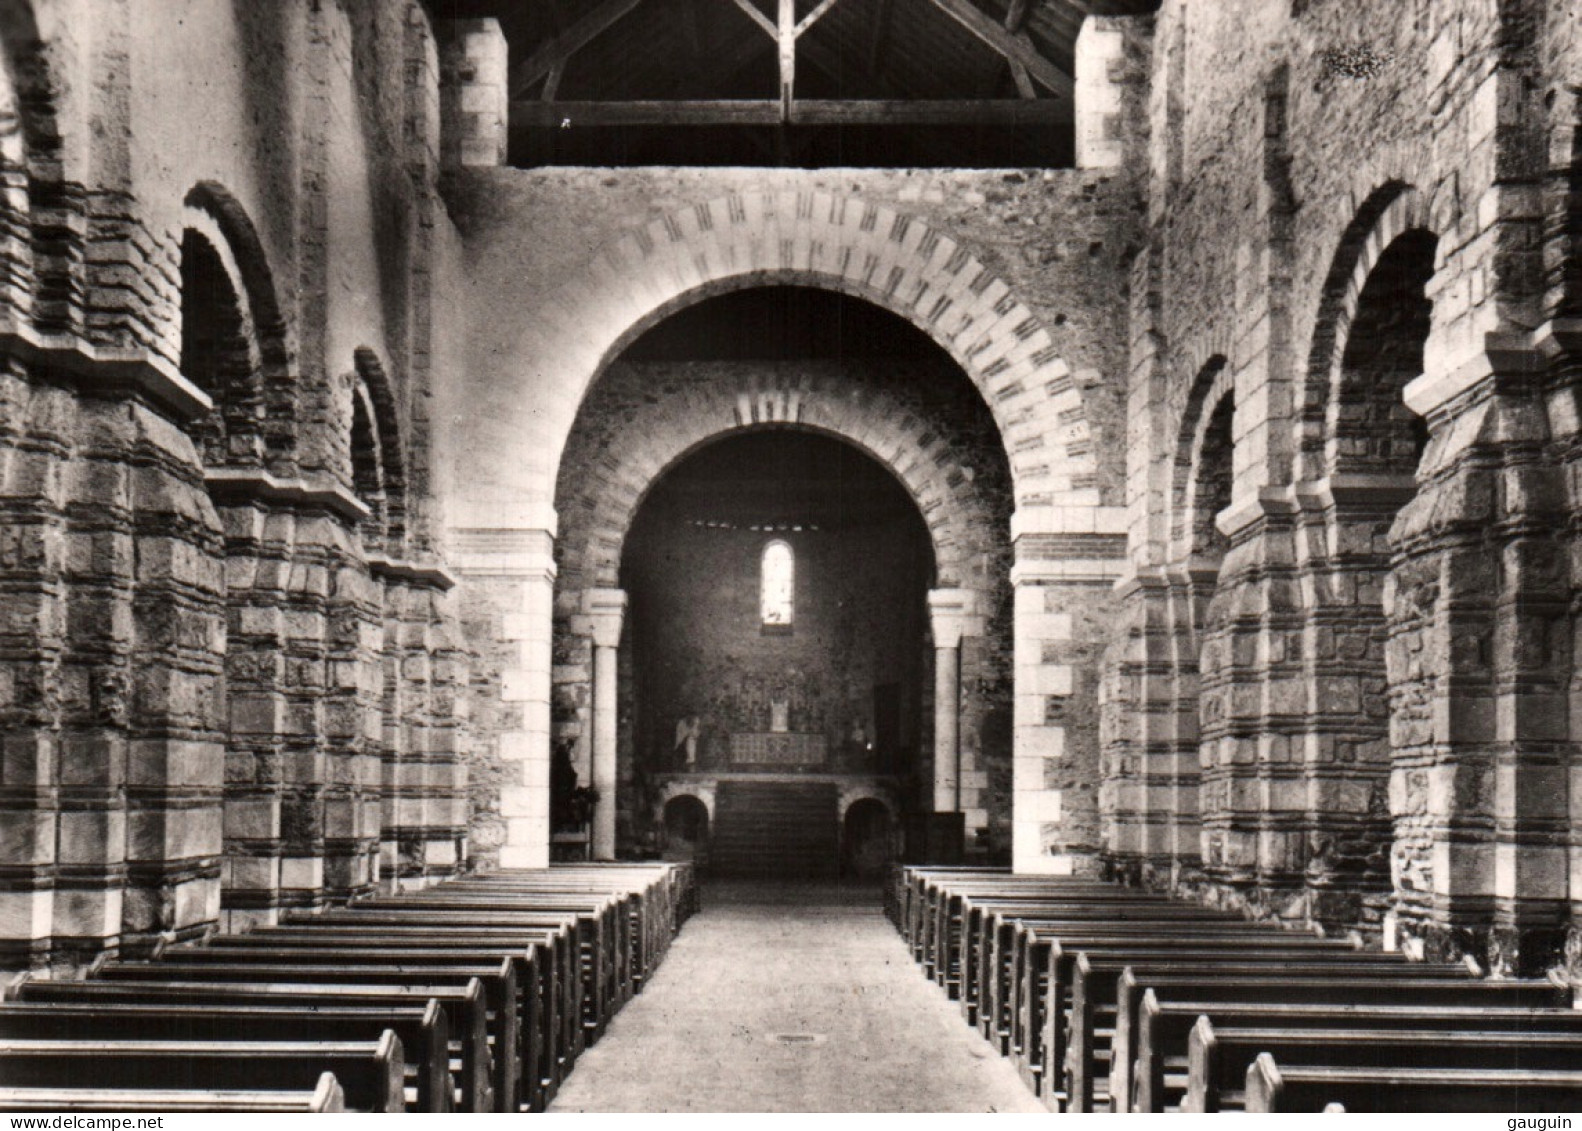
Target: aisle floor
{"points": [[794, 997]]}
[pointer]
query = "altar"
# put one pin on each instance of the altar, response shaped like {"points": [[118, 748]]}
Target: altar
{"points": [[778, 748]]}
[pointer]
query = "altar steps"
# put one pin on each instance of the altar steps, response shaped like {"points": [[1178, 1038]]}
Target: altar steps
{"points": [[776, 829]]}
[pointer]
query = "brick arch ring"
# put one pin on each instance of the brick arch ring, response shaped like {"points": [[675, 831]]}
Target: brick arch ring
{"points": [[1390, 211], [870, 251], [597, 510]]}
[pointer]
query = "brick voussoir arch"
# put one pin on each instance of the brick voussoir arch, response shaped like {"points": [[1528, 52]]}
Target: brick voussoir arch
{"points": [[1395, 207], [596, 515], [1213, 382], [891, 258]]}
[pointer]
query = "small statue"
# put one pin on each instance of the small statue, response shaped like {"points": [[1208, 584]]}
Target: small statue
{"points": [[779, 715], [687, 731]]}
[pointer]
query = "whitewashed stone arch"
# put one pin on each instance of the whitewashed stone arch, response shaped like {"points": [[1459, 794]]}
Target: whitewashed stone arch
{"points": [[896, 260], [853, 792], [703, 791], [597, 512], [517, 422]]}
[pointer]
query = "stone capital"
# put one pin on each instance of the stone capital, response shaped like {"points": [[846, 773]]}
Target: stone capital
{"points": [[518, 553], [605, 610], [955, 613]]}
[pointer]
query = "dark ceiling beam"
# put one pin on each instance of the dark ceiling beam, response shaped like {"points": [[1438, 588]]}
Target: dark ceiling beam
{"points": [[804, 112], [693, 26], [921, 112], [540, 63], [1018, 50]]}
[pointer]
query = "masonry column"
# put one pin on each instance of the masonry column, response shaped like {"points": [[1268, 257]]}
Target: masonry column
{"points": [[509, 597], [605, 610], [953, 614], [1067, 563]]}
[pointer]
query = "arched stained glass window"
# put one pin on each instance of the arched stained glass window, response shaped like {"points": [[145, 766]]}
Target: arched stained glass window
{"points": [[778, 585]]}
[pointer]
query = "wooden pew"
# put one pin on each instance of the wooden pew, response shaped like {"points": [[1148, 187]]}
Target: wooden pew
{"points": [[371, 1074], [1400, 985], [326, 1097], [1159, 1074], [1036, 964], [547, 1050], [1096, 959], [497, 979], [950, 910], [465, 1009], [656, 898], [988, 924], [1218, 1058], [1097, 1002], [1044, 952], [1280, 1088], [422, 1030], [580, 993], [986, 932], [259, 950], [622, 953], [607, 913], [592, 928], [911, 880]]}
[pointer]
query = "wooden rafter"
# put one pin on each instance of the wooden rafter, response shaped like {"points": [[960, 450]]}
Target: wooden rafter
{"points": [[785, 33], [557, 51], [1017, 49], [805, 112], [1015, 17], [814, 16]]}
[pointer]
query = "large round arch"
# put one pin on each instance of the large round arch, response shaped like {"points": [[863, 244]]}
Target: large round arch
{"points": [[892, 259]]}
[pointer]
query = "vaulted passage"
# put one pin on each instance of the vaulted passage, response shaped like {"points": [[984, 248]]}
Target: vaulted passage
{"points": [[776, 584], [793, 997]]}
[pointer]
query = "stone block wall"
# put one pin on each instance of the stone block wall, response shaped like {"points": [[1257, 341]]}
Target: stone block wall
{"points": [[1377, 727], [193, 637]]}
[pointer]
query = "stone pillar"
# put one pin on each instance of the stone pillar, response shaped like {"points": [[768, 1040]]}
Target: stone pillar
{"points": [[1141, 789], [605, 610], [1482, 777], [423, 801], [509, 576], [953, 614], [475, 93], [1100, 69], [1067, 562]]}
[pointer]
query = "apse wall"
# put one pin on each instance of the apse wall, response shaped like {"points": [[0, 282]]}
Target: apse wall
{"points": [[914, 412], [702, 650]]}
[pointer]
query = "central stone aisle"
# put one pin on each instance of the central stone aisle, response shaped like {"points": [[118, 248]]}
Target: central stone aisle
{"points": [[793, 997]]}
